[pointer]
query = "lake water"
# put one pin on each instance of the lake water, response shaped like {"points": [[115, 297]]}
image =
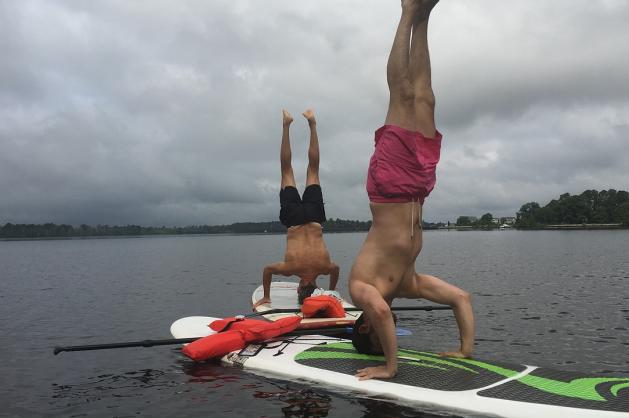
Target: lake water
{"points": [[549, 298]]}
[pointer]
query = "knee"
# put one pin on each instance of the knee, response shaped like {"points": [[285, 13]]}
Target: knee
{"points": [[285, 158], [403, 90], [313, 158], [424, 98], [381, 310], [287, 172], [286, 169]]}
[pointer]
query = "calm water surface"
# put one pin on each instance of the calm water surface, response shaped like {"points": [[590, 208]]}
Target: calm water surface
{"points": [[549, 298]]}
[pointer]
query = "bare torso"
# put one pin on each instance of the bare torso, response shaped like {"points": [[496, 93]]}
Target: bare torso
{"points": [[387, 257], [306, 254]]}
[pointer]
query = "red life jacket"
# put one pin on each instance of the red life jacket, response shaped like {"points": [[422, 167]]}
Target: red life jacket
{"points": [[235, 322], [240, 333], [322, 306]]}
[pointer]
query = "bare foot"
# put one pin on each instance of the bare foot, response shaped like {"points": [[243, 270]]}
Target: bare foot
{"points": [[455, 354], [427, 6], [411, 6], [287, 119], [422, 11], [309, 115]]}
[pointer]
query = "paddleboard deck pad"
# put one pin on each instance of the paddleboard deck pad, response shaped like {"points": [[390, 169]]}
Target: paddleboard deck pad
{"points": [[284, 296], [472, 385]]}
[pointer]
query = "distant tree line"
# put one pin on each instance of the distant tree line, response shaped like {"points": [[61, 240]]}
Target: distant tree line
{"points": [[51, 230], [590, 207], [485, 221]]}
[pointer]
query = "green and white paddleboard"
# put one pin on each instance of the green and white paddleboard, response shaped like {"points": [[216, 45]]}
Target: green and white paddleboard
{"points": [[464, 385]]}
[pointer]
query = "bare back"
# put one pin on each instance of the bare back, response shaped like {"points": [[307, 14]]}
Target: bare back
{"points": [[306, 254]]}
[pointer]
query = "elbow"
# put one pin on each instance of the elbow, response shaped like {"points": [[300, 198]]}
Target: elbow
{"points": [[462, 298]]}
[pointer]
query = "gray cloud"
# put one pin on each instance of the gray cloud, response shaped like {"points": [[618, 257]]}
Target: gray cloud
{"points": [[169, 113]]}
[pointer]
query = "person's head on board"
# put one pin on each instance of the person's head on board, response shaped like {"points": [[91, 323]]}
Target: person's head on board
{"points": [[305, 289], [364, 337]]}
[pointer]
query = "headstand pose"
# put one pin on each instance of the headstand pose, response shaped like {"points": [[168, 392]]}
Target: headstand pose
{"points": [[306, 254], [401, 175]]}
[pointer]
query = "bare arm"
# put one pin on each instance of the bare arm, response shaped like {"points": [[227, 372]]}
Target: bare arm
{"points": [[379, 314], [334, 276], [267, 275]]}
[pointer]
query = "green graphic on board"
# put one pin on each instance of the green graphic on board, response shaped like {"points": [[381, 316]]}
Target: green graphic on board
{"points": [[423, 369]]}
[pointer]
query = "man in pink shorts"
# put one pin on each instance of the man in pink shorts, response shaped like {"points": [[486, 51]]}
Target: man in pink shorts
{"points": [[401, 175]]}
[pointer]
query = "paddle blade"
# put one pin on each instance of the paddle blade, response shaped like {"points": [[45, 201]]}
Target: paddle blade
{"points": [[403, 332], [400, 332]]}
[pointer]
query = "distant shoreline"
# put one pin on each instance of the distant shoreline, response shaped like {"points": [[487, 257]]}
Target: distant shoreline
{"points": [[568, 227], [578, 227], [560, 227]]}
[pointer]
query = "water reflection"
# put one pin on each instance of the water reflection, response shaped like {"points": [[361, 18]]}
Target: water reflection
{"points": [[299, 402], [296, 400], [123, 385], [209, 372]]}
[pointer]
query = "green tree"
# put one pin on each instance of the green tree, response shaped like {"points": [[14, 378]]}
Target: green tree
{"points": [[527, 215], [622, 214], [486, 219], [463, 221]]}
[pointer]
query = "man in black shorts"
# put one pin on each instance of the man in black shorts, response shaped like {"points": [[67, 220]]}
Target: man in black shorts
{"points": [[306, 254]]}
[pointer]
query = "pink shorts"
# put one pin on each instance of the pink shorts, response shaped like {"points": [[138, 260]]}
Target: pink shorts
{"points": [[402, 167]]}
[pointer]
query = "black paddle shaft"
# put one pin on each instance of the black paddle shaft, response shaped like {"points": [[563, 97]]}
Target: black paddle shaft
{"points": [[143, 343], [151, 343], [173, 341]]}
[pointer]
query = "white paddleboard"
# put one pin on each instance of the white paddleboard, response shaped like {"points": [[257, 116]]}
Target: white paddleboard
{"points": [[284, 296], [192, 327]]}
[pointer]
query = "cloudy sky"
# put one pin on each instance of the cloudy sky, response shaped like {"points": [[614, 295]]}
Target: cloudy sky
{"points": [[169, 113]]}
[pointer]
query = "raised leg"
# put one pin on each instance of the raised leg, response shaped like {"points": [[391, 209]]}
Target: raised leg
{"points": [[411, 99], [401, 94], [420, 73], [436, 290], [288, 178], [312, 174]]}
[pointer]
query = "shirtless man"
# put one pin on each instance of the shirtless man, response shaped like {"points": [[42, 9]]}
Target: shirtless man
{"points": [[401, 175], [306, 255]]}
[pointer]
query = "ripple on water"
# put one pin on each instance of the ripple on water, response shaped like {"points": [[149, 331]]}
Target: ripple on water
{"points": [[66, 292]]}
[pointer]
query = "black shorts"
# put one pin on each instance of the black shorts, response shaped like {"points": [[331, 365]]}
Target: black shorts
{"points": [[297, 210]]}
